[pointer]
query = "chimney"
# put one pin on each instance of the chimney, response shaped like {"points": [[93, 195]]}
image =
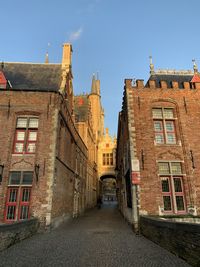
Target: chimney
{"points": [[67, 55], [140, 83], [66, 65]]}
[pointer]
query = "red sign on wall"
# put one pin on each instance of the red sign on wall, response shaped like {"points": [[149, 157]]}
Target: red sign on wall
{"points": [[135, 177]]}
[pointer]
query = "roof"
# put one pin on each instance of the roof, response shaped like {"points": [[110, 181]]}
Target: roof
{"points": [[171, 76], [3, 80], [33, 76], [81, 108], [196, 79]]}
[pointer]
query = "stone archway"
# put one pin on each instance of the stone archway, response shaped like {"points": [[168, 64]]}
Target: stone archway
{"points": [[108, 188]]}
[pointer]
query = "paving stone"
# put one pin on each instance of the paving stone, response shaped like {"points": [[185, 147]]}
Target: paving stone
{"points": [[100, 238]]}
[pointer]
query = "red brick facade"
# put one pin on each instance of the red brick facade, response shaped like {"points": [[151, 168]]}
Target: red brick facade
{"points": [[176, 145], [52, 195], [45, 165]]}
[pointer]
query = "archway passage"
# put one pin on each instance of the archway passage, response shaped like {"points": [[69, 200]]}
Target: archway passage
{"points": [[108, 188], [106, 176]]}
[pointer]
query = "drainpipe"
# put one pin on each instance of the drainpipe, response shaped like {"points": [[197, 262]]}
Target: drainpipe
{"points": [[134, 164]]}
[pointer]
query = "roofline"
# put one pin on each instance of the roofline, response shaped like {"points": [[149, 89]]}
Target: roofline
{"points": [[30, 90], [173, 72], [34, 63]]}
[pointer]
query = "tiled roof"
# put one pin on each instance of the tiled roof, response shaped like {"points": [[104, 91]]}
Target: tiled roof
{"points": [[196, 78], [32, 76]]}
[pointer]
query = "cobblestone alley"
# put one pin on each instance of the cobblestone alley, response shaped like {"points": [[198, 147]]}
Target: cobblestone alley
{"points": [[99, 238]]}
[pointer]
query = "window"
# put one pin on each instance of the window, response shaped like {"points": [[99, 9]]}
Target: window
{"points": [[164, 125], [172, 186], [107, 158], [25, 135], [18, 196]]}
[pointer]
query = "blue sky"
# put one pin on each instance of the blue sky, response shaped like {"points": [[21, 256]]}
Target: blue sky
{"points": [[111, 37]]}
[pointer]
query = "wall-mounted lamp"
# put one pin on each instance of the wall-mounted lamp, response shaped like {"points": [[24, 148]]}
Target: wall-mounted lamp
{"points": [[1, 172], [37, 169]]}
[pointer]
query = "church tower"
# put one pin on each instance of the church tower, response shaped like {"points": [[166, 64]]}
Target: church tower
{"points": [[96, 108]]}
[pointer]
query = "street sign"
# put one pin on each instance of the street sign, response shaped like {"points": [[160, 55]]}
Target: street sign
{"points": [[135, 177]]}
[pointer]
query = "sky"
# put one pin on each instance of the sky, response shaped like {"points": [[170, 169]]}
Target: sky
{"points": [[112, 37]]}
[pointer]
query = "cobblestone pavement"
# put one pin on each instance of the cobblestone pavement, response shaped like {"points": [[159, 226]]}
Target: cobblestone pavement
{"points": [[100, 238]]}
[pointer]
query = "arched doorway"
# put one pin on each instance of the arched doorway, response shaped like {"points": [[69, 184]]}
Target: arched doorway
{"points": [[108, 188]]}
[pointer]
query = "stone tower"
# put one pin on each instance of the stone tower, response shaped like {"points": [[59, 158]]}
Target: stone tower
{"points": [[96, 108]]}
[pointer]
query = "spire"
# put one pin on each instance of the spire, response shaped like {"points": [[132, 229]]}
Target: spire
{"points": [[151, 66], [93, 87], [195, 68], [47, 58], [47, 54]]}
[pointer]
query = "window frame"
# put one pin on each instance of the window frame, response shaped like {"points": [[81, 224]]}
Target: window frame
{"points": [[31, 142], [24, 203], [159, 133], [107, 159], [9, 203], [163, 119], [172, 192], [26, 131], [167, 194], [18, 203], [16, 141]]}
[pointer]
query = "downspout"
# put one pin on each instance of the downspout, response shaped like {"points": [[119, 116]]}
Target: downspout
{"points": [[134, 163]]}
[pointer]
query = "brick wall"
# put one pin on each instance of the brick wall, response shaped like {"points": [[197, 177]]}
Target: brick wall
{"points": [[182, 239], [12, 105], [186, 105], [11, 234], [52, 195], [70, 169]]}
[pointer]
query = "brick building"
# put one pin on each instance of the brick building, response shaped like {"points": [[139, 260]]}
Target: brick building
{"points": [[84, 125], [157, 145], [89, 118], [43, 160]]}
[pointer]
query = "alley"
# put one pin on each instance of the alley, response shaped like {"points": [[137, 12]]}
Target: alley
{"points": [[99, 238]]}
